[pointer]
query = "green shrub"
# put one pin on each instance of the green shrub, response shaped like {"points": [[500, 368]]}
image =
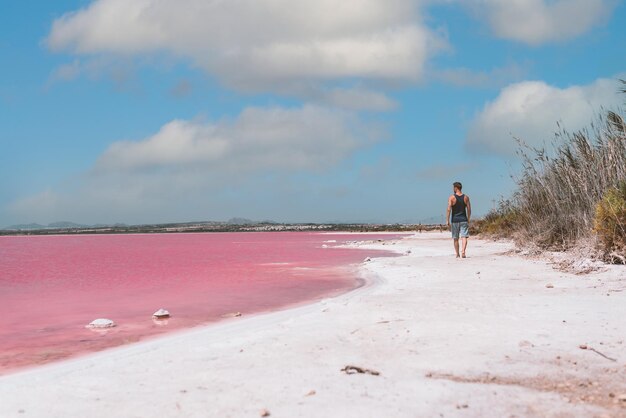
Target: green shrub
{"points": [[610, 223], [501, 222]]}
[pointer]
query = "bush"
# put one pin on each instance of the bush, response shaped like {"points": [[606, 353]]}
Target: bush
{"points": [[567, 192], [610, 223], [558, 191], [500, 222]]}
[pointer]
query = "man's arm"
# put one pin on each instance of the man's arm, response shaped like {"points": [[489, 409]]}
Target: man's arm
{"points": [[448, 211], [469, 208]]}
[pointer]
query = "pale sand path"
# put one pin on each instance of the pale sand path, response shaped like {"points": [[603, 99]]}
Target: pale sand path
{"points": [[433, 326]]}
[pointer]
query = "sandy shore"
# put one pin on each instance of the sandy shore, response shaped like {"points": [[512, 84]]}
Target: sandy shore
{"points": [[480, 337]]}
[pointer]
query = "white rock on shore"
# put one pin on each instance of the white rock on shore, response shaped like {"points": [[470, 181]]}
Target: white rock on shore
{"points": [[101, 323], [161, 314]]}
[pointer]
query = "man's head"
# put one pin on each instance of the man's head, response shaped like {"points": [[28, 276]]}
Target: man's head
{"points": [[457, 186]]}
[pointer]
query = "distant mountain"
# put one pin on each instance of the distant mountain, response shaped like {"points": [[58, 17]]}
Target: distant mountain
{"points": [[246, 221], [240, 221], [65, 224], [116, 225], [23, 227], [59, 225]]}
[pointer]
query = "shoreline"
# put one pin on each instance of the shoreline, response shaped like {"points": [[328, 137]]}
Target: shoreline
{"points": [[152, 341], [483, 336], [328, 275], [365, 281]]}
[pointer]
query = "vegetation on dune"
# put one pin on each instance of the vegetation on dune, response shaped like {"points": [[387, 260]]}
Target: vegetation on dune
{"points": [[499, 222], [572, 192], [610, 224]]}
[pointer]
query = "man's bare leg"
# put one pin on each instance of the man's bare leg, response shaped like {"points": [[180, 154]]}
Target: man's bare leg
{"points": [[464, 246], [456, 247]]}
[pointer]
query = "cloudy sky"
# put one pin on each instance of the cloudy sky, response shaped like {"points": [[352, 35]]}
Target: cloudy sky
{"points": [[293, 110]]}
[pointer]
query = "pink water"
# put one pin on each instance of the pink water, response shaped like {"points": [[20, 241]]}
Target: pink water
{"points": [[52, 286]]}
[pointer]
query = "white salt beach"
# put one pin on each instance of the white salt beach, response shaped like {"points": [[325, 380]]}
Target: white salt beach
{"points": [[428, 335]]}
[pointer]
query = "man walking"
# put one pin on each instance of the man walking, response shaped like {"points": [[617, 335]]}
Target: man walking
{"points": [[459, 213]]}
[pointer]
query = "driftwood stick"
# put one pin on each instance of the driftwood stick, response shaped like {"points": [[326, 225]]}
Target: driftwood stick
{"points": [[355, 369], [606, 357]]}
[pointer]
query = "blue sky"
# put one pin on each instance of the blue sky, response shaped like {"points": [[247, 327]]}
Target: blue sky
{"points": [[156, 111]]}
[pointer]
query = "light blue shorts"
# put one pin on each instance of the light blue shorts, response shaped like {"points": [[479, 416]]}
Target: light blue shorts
{"points": [[460, 229]]}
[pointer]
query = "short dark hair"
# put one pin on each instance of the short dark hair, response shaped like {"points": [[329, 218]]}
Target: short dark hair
{"points": [[458, 185]]}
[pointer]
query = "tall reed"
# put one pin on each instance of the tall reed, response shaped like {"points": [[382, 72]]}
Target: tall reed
{"points": [[560, 187]]}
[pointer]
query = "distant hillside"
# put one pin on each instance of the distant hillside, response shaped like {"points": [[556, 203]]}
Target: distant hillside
{"points": [[240, 221], [246, 221], [433, 220], [65, 224], [56, 225], [24, 227]]}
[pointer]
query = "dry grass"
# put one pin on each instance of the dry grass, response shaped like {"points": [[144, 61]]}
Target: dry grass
{"points": [[559, 189]]}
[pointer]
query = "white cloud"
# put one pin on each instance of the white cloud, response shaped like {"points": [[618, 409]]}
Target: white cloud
{"points": [[535, 22], [530, 111], [120, 73], [259, 44], [192, 169], [310, 138]]}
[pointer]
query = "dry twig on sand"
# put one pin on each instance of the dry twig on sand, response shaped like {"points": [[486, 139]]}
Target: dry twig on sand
{"points": [[585, 347], [355, 369]]}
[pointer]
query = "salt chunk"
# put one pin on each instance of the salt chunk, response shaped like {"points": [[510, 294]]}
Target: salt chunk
{"points": [[161, 313], [101, 323]]}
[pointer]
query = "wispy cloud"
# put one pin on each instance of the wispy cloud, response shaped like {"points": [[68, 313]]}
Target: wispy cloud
{"points": [[353, 98], [67, 72], [181, 89], [537, 22], [495, 78], [121, 73]]}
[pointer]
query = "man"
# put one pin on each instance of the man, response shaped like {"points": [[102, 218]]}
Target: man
{"points": [[459, 213]]}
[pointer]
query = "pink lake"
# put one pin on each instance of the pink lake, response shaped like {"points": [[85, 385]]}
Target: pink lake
{"points": [[52, 286]]}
